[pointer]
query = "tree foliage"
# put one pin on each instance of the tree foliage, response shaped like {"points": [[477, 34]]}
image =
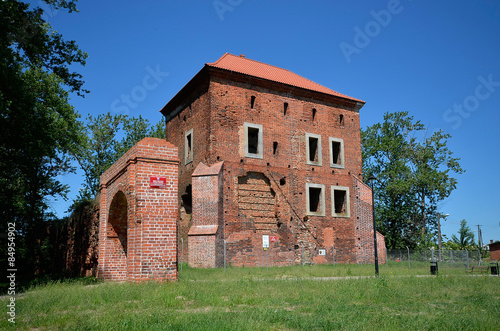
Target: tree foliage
{"points": [[107, 137], [39, 126], [414, 174], [465, 239]]}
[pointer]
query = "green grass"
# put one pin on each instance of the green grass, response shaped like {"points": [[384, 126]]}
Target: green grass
{"points": [[287, 298]]}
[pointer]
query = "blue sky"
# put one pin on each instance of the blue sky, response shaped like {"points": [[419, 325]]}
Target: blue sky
{"points": [[438, 60]]}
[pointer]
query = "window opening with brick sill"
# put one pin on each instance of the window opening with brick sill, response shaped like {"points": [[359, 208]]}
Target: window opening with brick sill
{"points": [[253, 140], [313, 149], [336, 152], [340, 201], [315, 199]]}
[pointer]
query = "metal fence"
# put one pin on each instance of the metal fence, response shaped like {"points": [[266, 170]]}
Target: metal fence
{"points": [[446, 258]]}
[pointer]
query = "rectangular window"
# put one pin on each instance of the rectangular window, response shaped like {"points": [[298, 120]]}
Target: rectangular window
{"points": [[313, 149], [336, 152], [340, 201], [315, 199], [188, 147], [253, 140]]}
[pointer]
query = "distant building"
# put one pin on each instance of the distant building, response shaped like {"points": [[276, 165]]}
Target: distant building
{"points": [[494, 250], [267, 154]]}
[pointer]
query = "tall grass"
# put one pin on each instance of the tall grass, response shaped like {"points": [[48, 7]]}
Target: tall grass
{"points": [[287, 298]]}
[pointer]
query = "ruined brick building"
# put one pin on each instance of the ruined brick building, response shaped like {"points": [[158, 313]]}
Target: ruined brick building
{"points": [[264, 151]]}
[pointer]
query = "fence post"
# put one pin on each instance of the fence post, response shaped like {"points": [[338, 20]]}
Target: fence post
{"points": [[451, 258], [409, 265], [467, 255], [479, 252], [224, 255], [362, 256], [386, 257], [333, 254], [302, 255], [182, 251], [432, 254]]}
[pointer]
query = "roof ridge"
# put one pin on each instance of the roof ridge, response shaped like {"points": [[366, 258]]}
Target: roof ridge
{"points": [[244, 57], [218, 60], [244, 65]]}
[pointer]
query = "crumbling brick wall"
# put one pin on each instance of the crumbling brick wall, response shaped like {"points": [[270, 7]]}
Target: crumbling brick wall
{"points": [[267, 195], [205, 234]]}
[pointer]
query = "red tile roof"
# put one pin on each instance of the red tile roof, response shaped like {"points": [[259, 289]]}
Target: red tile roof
{"points": [[266, 71]]}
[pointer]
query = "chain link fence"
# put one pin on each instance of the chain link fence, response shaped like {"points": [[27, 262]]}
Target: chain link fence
{"points": [[445, 258]]}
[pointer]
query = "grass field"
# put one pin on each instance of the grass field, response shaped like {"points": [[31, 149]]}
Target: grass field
{"points": [[287, 298]]}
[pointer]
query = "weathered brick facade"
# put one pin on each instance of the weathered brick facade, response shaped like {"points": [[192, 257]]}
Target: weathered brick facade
{"points": [[205, 234], [138, 215], [291, 154]]}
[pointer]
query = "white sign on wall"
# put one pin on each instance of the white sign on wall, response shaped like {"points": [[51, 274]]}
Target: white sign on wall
{"points": [[265, 241], [322, 252]]}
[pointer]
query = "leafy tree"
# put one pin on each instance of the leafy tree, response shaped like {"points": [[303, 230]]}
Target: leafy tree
{"points": [[102, 146], [39, 127], [413, 176], [465, 239]]}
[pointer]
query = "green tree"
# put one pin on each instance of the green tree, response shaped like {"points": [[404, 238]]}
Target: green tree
{"points": [[413, 176], [39, 126], [102, 146], [465, 239]]}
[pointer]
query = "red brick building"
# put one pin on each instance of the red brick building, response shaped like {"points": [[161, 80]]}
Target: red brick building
{"points": [[495, 250], [266, 152]]}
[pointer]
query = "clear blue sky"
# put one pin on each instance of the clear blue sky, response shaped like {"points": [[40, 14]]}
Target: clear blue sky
{"points": [[438, 60]]}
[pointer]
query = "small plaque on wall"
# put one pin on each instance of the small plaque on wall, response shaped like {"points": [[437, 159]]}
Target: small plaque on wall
{"points": [[157, 182], [322, 252]]}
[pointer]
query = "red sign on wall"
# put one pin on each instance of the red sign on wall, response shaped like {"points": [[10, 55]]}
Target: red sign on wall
{"points": [[273, 239], [157, 182]]}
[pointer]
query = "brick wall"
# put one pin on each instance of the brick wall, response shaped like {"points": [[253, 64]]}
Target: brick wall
{"points": [[138, 223], [267, 196], [205, 234], [364, 225], [495, 251]]}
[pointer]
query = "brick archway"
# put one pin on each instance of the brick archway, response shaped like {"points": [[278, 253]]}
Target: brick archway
{"points": [[138, 214]]}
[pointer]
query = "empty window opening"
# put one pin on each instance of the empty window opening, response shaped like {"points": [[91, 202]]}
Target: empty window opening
{"points": [[314, 199], [253, 140], [340, 201], [296, 246], [275, 147], [188, 147], [252, 101], [336, 152], [313, 113], [313, 149], [341, 119], [285, 108]]}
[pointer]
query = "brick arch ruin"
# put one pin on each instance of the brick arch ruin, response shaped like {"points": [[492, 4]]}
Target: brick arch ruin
{"points": [[138, 218]]}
